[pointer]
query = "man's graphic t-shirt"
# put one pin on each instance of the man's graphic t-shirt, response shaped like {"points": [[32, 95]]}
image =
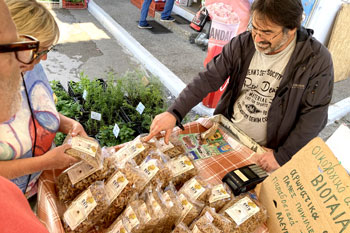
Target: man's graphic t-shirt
{"points": [[263, 79], [17, 134]]}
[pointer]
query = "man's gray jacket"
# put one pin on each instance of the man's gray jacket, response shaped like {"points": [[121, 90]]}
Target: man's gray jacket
{"points": [[299, 110]]}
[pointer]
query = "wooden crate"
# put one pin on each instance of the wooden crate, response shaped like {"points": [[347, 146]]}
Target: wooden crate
{"points": [[155, 6], [71, 5]]}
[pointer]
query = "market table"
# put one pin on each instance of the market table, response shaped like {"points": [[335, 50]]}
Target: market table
{"points": [[210, 169]]}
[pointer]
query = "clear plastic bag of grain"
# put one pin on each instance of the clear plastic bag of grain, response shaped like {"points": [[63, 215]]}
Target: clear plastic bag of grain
{"points": [[157, 212], [174, 149], [128, 220], [171, 204], [196, 189], [156, 171], [84, 148], [149, 147], [219, 196], [182, 169], [245, 212], [204, 223], [137, 216], [118, 226], [181, 228], [219, 221], [135, 149], [191, 209], [79, 177], [157, 154], [121, 188], [85, 210]]}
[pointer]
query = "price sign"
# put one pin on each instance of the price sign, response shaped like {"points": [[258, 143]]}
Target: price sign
{"points": [[116, 130], [96, 116], [140, 108]]}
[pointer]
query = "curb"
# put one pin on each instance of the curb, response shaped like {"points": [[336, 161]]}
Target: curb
{"points": [[338, 110], [166, 76]]}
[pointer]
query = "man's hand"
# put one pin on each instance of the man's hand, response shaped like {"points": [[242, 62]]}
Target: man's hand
{"points": [[78, 129], [162, 122], [267, 161], [58, 159]]}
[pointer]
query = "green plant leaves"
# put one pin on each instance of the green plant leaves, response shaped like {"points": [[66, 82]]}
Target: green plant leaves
{"points": [[107, 98]]}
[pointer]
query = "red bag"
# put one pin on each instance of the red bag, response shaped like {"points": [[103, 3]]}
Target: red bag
{"points": [[229, 18]]}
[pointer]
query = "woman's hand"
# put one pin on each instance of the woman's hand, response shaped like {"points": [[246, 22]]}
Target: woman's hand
{"points": [[78, 129], [68, 125], [58, 159]]}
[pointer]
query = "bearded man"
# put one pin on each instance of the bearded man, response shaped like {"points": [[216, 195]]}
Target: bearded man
{"points": [[10, 98], [281, 83]]}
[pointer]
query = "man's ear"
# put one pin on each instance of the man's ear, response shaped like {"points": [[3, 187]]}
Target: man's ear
{"points": [[292, 31]]}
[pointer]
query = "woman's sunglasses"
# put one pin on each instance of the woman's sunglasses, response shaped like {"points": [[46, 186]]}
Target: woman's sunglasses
{"points": [[26, 49]]}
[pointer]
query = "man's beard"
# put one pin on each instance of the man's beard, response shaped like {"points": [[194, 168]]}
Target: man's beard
{"points": [[265, 46], [10, 96]]}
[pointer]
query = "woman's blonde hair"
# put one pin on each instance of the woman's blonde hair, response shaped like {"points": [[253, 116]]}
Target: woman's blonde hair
{"points": [[33, 18]]}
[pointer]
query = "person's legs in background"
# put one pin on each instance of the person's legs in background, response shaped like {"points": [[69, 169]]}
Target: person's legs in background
{"points": [[165, 17], [144, 12]]}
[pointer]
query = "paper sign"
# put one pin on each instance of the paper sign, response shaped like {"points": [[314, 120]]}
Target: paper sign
{"points": [[85, 94], [116, 130], [310, 193], [96, 116], [140, 107]]}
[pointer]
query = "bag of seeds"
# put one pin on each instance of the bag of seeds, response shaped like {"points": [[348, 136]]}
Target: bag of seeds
{"points": [[219, 196], [182, 169], [174, 149], [85, 210], [191, 209], [205, 224], [157, 212], [79, 177], [121, 188], [220, 221], [245, 213], [84, 148], [196, 189], [156, 171], [181, 228]]}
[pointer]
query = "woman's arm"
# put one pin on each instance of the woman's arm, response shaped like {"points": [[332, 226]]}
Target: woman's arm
{"points": [[53, 159]]}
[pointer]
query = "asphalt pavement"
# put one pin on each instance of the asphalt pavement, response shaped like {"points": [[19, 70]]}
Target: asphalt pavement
{"points": [[88, 46]]}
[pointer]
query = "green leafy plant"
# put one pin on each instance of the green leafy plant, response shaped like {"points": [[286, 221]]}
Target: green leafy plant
{"points": [[59, 138], [126, 133], [120, 93], [65, 104], [106, 137]]}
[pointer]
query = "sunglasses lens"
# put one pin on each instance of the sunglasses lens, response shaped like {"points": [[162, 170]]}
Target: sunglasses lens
{"points": [[25, 56]]}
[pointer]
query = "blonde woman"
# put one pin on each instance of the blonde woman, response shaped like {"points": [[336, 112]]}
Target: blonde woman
{"points": [[26, 139]]}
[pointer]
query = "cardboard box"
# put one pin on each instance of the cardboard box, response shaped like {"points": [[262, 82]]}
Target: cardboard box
{"points": [[310, 193]]}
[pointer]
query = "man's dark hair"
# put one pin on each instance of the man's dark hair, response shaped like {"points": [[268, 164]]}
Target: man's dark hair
{"points": [[287, 13]]}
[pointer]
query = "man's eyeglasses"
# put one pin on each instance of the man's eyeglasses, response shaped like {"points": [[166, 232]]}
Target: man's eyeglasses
{"points": [[25, 50], [262, 34]]}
